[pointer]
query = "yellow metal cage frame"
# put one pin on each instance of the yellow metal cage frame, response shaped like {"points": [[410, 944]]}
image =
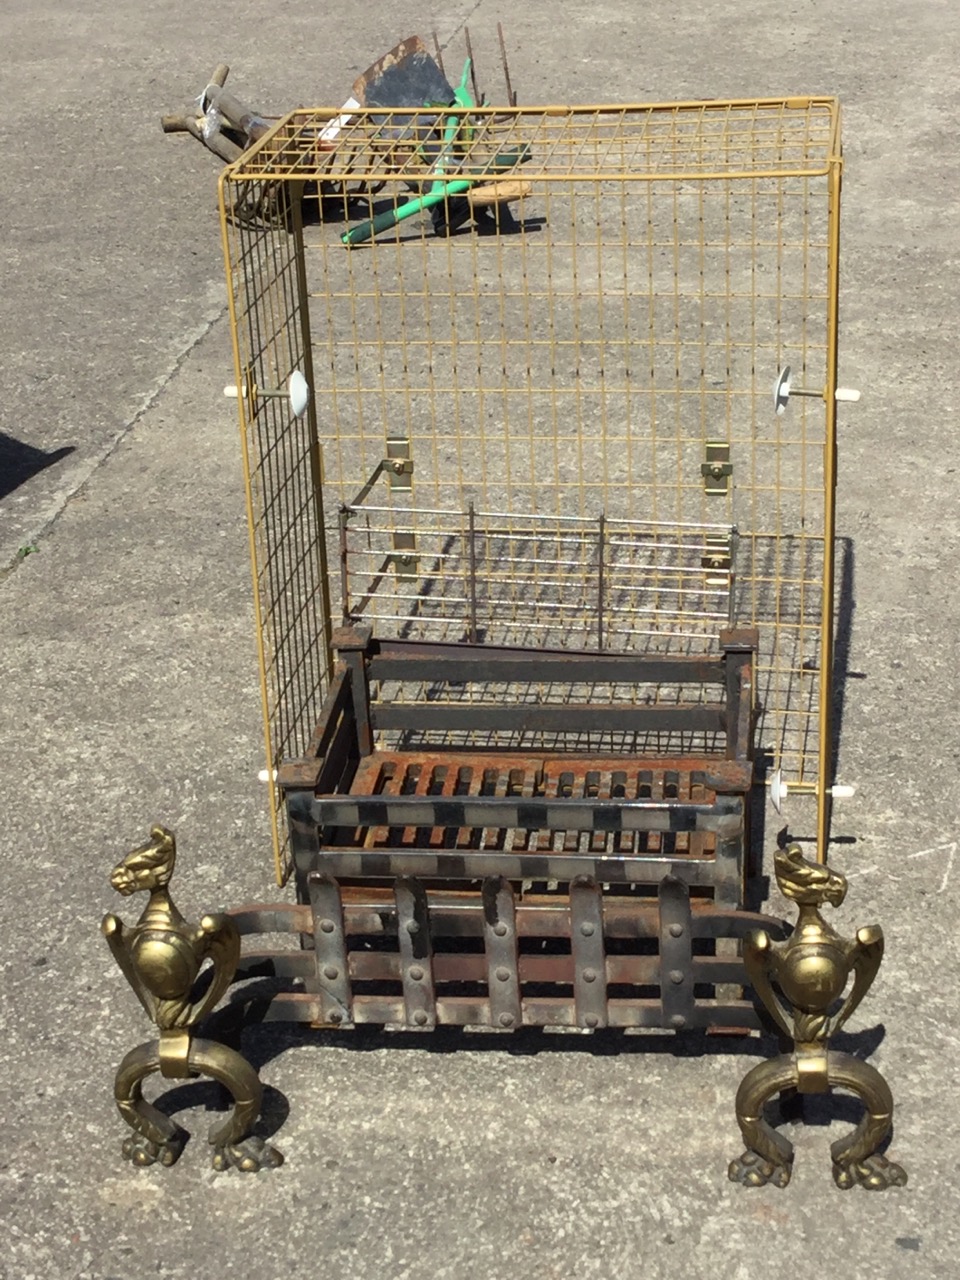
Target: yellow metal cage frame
{"points": [[669, 256]]}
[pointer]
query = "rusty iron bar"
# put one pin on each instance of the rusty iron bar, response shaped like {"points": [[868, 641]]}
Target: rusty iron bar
{"points": [[330, 976], [623, 870], [601, 522], [502, 962], [588, 958], [416, 954], [505, 975], [472, 526], [538, 1011], [343, 517], [473, 67], [511, 95], [534, 813], [439, 53], [677, 967], [369, 908]]}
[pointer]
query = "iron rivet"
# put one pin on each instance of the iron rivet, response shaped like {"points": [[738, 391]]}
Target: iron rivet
{"points": [[331, 972], [587, 929], [676, 976], [503, 974], [500, 929], [591, 1020], [676, 931], [506, 1019], [327, 926], [420, 1018], [589, 975], [412, 926], [336, 1016], [416, 973], [678, 1020]]}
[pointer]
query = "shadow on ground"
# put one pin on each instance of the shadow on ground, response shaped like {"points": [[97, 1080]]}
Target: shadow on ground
{"points": [[20, 462]]}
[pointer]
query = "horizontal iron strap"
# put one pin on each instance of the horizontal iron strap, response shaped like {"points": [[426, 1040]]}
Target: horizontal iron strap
{"points": [[459, 914], [298, 1006], [528, 814], [475, 864], [458, 650], [380, 966], [571, 717], [376, 966], [259, 918], [508, 666]]}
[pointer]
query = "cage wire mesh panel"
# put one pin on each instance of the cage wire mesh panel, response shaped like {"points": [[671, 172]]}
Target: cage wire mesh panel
{"points": [[263, 244], [556, 427]]}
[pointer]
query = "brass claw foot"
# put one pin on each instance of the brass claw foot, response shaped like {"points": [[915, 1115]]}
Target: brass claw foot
{"points": [[856, 1160], [249, 1156], [161, 957], [139, 1150], [810, 970], [751, 1170], [876, 1173]]}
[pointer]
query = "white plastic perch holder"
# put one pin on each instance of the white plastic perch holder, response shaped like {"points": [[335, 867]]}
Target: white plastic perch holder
{"points": [[782, 392], [297, 392], [779, 789]]}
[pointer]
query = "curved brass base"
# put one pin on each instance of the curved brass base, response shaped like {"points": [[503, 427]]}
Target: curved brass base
{"points": [[769, 1155], [157, 1139]]}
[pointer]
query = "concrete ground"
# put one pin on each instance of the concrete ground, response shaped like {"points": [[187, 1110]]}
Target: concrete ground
{"points": [[130, 690]]}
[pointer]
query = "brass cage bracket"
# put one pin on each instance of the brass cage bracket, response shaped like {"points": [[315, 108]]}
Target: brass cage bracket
{"points": [[404, 560], [717, 553], [717, 469], [398, 465]]}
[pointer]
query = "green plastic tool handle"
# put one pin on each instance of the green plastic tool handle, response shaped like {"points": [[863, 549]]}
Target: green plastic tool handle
{"points": [[365, 231]]}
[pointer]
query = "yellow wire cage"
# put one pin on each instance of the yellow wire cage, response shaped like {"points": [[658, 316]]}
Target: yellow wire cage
{"points": [[558, 425]]}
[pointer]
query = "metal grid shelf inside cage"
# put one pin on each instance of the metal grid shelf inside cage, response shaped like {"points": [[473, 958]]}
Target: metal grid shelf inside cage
{"points": [[565, 582]]}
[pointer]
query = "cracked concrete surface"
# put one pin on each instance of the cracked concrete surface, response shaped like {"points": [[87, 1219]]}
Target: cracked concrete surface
{"points": [[130, 686]]}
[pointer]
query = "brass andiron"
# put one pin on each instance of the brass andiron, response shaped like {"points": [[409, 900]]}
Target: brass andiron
{"points": [[811, 970], [161, 957]]}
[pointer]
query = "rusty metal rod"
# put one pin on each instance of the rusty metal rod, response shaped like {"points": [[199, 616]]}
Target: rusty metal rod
{"points": [[511, 95]]}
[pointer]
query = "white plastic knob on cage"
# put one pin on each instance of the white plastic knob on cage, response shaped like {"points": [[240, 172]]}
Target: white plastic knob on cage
{"points": [[783, 390], [297, 392], [779, 788]]}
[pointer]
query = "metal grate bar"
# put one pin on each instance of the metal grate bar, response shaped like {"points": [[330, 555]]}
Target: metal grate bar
{"points": [[416, 954], [500, 942], [589, 958], [331, 972], [676, 954]]}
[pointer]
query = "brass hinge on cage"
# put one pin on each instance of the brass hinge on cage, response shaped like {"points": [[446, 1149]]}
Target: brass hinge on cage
{"points": [[717, 469]]}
